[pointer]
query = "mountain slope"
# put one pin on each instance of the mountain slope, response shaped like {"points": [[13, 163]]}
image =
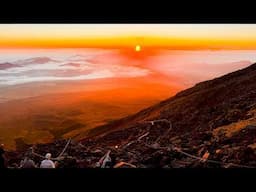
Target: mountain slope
{"points": [[215, 119], [205, 106]]}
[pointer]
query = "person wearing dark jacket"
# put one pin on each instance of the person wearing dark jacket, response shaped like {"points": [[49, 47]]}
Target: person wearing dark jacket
{"points": [[2, 157], [27, 163]]}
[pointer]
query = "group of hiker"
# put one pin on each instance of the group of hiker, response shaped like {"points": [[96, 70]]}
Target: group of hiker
{"points": [[105, 162], [27, 162], [46, 163]]}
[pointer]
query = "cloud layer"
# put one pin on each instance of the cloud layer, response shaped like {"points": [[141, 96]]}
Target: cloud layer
{"points": [[185, 67], [73, 67]]}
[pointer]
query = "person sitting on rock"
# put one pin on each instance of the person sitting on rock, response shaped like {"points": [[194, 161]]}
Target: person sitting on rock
{"points": [[27, 163], [47, 163]]}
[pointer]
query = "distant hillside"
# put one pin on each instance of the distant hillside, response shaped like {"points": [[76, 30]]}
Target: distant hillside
{"points": [[45, 118]]}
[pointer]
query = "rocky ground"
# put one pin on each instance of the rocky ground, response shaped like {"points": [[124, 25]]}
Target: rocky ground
{"points": [[126, 146]]}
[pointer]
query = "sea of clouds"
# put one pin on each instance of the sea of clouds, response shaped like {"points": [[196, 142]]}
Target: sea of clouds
{"points": [[26, 66], [53, 65]]}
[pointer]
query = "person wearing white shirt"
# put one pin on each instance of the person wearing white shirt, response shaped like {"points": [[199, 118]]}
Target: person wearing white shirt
{"points": [[47, 163]]}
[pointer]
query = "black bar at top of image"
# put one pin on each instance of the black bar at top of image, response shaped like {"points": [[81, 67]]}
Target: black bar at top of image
{"points": [[126, 12], [124, 20]]}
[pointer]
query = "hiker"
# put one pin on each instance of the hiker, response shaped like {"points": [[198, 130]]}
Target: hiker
{"points": [[47, 163], [27, 163], [105, 161], [57, 164], [2, 157]]}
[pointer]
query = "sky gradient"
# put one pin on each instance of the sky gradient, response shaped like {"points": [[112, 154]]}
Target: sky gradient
{"points": [[172, 36], [180, 54]]}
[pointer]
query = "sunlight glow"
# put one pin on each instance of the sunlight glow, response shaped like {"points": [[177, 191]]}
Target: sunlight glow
{"points": [[137, 48]]}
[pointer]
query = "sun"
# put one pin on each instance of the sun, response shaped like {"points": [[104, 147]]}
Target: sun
{"points": [[137, 48]]}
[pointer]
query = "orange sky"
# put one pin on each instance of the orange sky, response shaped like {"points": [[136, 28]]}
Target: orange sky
{"points": [[172, 36]]}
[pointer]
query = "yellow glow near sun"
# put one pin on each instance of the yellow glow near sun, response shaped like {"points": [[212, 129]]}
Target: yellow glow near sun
{"points": [[137, 48]]}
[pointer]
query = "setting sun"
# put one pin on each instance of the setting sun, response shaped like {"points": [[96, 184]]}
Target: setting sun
{"points": [[137, 48]]}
